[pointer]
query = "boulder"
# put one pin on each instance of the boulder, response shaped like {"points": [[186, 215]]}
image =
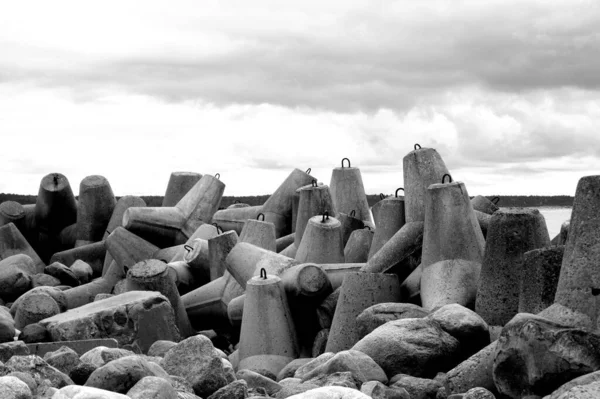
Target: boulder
{"points": [[235, 390], [474, 372], [65, 359], [122, 374], [255, 380], [418, 388], [478, 393], [62, 273], [290, 369], [379, 314], [39, 370], [101, 355], [34, 308], [535, 356], [13, 388], [313, 363], [15, 276], [152, 388], [80, 373], [361, 366], [339, 379], [567, 390], [56, 294], [377, 390], [331, 393], [418, 347], [34, 333], [196, 360], [78, 392], [82, 271], [44, 280], [160, 347], [7, 325], [137, 318], [13, 348]]}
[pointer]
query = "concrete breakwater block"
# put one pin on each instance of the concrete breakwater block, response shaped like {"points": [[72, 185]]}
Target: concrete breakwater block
{"points": [[12, 242], [179, 185], [348, 192], [137, 318], [322, 241], [390, 219], [94, 209]]}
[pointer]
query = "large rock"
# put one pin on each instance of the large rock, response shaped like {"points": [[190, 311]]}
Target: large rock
{"points": [[34, 308], [13, 388], [64, 359], [15, 276], [7, 325], [14, 348], [331, 393], [338, 379], [417, 347], [152, 388], [535, 356], [78, 392], [160, 347], [122, 374], [474, 372], [196, 360], [39, 370], [136, 318], [377, 390], [379, 314], [101, 355], [235, 390], [362, 367], [258, 381], [418, 388], [465, 325]]}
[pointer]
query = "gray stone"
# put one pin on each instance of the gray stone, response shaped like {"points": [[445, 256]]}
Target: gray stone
{"points": [[255, 380], [101, 355], [152, 388], [541, 270], [377, 390], [15, 276], [418, 388], [338, 379], [82, 271], [479, 393], [418, 347], [290, 369], [379, 314], [7, 325], [62, 273], [39, 370], [235, 390], [81, 372], [34, 308], [78, 392], [65, 359], [587, 379], [361, 366], [330, 392], [44, 280], [312, 364], [474, 372], [160, 347], [79, 346], [122, 374], [196, 359], [34, 333], [13, 388], [14, 348]]}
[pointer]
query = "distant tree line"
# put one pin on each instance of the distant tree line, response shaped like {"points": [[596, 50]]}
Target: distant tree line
{"points": [[504, 200]]}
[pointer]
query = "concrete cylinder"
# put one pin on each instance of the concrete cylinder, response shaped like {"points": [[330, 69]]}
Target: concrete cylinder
{"points": [[314, 200], [183, 277], [92, 254], [235, 311], [278, 207], [322, 241], [268, 338], [12, 212], [453, 246], [234, 219], [14, 243], [283, 242], [358, 246], [259, 233], [348, 192], [94, 209], [127, 249], [337, 271], [348, 224], [206, 306], [541, 270], [390, 219], [358, 292], [201, 202], [160, 226], [307, 280], [422, 168], [68, 237], [579, 282], [197, 259], [34, 308], [482, 204], [152, 275], [218, 249], [512, 232], [396, 253], [179, 185]]}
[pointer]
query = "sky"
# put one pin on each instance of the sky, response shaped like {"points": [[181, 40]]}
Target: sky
{"points": [[508, 92]]}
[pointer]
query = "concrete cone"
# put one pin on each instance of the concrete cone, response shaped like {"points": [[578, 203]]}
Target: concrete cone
{"points": [[68, 237], [278, 207], [348, 192], [512, 232], [12, 212], [541, 270], [314, 200], [179, 185], [92, 254], [218, 249], [322, 241], [358, 246], [127, 249], [398, 254], [170, 226], [234, 219], [375, 208], [12, 242], [453, 246], [349, 223], [422, 168], [268, 336], [55, 209], [94, 209], [260, 233], [116, 220], [358, 292], [206, 306], [390, 219], [482, 204], [152, 275], [579, 282]]}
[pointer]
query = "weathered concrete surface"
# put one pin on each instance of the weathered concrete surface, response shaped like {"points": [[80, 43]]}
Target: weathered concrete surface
{"points": [[541, 270]]}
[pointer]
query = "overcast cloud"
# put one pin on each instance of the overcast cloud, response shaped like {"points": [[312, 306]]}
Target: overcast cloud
{"points": [[506, 91]]}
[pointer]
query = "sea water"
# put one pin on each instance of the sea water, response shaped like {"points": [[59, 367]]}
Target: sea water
{"points": [[555, 216]]}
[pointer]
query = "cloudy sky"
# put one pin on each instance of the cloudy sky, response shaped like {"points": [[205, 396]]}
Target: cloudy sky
{"points": [[508, 92]]}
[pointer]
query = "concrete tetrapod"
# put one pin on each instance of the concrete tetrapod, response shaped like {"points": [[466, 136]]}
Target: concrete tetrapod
{"points": [[234, 218], [398, 253], [127, 249], [283, 242], [512, 232], [390, 219], [178, 252], [92, 254], [453, 247], [422, 168], [359, 291], [179, 185], [482, 204], [337, 271], [322, 241], [169, 226], [85, 293], [541, 270], [12, 242], [278, 207], [12, 212], [218, 249], [268, 338], [259, 233], [94, 209], [579, 281], [348, 192], [349, 223], [116, 220], [55, 209], [152, 275], [358, 246]]}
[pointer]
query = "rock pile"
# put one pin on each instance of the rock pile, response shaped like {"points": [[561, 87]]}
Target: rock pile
{"points": [[310, 295]]}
